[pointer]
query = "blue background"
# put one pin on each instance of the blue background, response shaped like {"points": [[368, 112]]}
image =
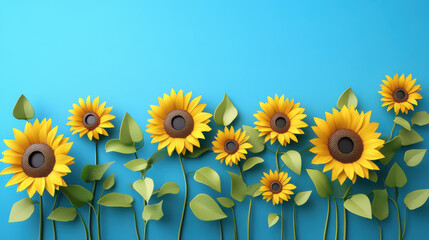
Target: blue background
{"points": [[131, 52]]}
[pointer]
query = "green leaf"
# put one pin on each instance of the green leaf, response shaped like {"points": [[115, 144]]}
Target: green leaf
{"points": [[238, 187], [156, 157], [153, 212], [63, 214], [251, 162], [348, 98], [23, 109], [258, 143], [197, 152], [92, 173], [396, 177], [77, 195], [226, 202], [225, 112], [302, 197], [404, 123], [109, 182], [205, 208], [115, 145], [116, 200], [416, 199], [21, 210], [209, 177], [360, 205], [130, 131], [380, 205], [293, 161], [144, 187], [414, 157], [420, 118], [321, 182], [168, 188], [389, 150], [137, 165], [373, 177], [253, 190], [409, 137], [341, 190], [273, 218]]}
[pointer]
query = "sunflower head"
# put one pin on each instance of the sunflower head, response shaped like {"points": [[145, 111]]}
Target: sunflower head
{"points": [[38, 157], [280, 120], [276, 187], [178, 123], [89, 118], [347, 144], [400, 93], [231, 146]]}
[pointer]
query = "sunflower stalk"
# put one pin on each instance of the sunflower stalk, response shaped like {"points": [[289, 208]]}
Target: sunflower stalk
{"points": [[179, 235], [53, 208], [41, 217], [327, 219], [84, 225]]}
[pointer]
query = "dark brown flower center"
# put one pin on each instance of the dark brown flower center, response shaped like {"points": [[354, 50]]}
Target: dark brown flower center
{"points": [[345, 146], [178, 123], [400, 95], [280, 123], [91, 120], [231, 146], [275, 187], [38, 160]]}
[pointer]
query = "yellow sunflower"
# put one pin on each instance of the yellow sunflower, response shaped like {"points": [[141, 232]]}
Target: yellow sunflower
{"points": [[347, 144], [90, 118], [400, 93], [276, 187], [178, 122], [39, 158], [280, 120], [231, 146]]}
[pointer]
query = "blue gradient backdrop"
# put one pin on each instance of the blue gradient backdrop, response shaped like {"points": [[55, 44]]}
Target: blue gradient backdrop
{"points": [[131, 52]]}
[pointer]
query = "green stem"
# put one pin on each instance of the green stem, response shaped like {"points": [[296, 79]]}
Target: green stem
{"points": [[293, 221], [135, 223], [327, 219], [145, 223], [98, 217], [345, 222], [379, 229], [41, 218], [239, 170], [399, 218], [277, 158], [235, 224], [405, 222], [84, 226], [93, 194], [391, 132], [336, 219], [248, 219], [221, 230], [53, 222], [281, 221], [179, 236]]}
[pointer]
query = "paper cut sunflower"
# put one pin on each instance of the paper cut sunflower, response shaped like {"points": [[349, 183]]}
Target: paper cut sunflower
{"points": [[231, 146], [280, 120], [347, 144], [178, 123], [39, 158], [91, 119], [400, 93], [276, 187]]}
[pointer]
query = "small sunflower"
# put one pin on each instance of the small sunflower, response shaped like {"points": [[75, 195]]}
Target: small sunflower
{"points": [[231, 146], [280, 120], [400, 93], [91, 119], [276, 187], [347, 144], [39, 158], [178, 122]]}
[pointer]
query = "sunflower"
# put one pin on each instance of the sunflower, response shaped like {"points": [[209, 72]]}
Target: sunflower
{"points": [[178, 122], [400, 93], [276, 187], [231, 145], [39, 158], [347, 144], [280, 120], [91, 119]]}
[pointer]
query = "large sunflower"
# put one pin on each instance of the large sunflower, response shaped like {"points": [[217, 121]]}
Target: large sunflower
{"points": [[231, 146], [400, 93], [178, 122], [276, 187], [90, 118], [280, 120], [39, 158], [347, 144]]}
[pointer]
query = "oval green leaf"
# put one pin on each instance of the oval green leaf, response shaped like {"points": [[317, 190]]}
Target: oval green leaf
{"points": [[130, 131], [197, 152], [302, 197], [115, 145], [144, 187], [257, 142], [226, 202], [409, 137], [389, 150], [205, 208], [168, 188], [225, 112], [414, 157], [109, 182], [348, 98], [293, 161], [402, 122], [238, 187], [321, 182], [23, 109], [396, 177], [209, 177], [253, 190], [251, 162], [116, 200], [373, 177], [153, 212], [92, 173], [380, 205], [63, 214], [416, 199], [420, 118], [360, 205], [77, 195], [21, 210], [273, 218], [137, 165]]}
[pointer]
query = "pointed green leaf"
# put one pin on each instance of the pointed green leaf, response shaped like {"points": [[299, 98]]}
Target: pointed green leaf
{"points": [[302, 197], [23, 109], [416, 199], [144, 187], [115, 145], [414, 157], [156, 157], [21, 210], [348, 98], [130, 131], [153, 212], [293, 161], [168, 188], [258, 143], [77, 195], [205, 208], [360, 205], [389, 150], [396, 177], [92, 173], [116, 200], [273, 218], [340, 190], [251, 162], [197, 152], [225, 112], [321, 182], [63, 214], [137, 165], [238, 187], [253, 190], [226, 202], [409, 137], [420, 118], [109, 182], [380, 205], [404, 123], [373, 177], [209, 177]]}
